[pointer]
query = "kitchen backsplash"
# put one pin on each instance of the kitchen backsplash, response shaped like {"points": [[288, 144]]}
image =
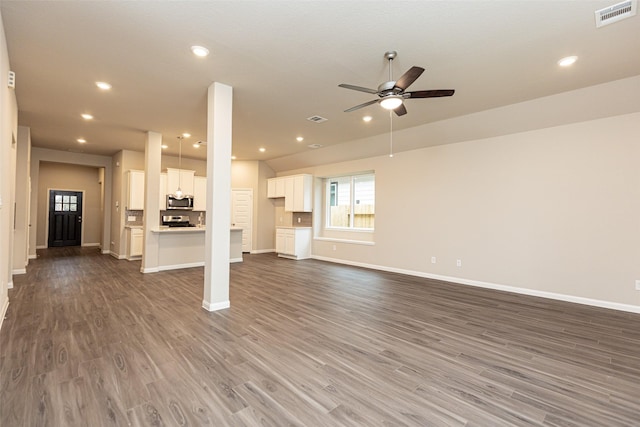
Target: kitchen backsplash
{"points": [[133, 217]]}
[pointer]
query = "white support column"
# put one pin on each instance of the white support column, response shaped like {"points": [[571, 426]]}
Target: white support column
{"points": [[217, 234], [152, 165]]}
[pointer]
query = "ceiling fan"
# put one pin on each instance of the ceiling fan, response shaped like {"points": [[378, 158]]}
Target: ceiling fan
{"points": [[391, 94]]}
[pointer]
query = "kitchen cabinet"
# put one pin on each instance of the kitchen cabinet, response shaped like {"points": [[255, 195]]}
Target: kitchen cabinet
{"points": [[162, 201], [297, 191], [182, 178], [275, 187], [200, 193], [135, 190], [135, 243], [293, 242]]}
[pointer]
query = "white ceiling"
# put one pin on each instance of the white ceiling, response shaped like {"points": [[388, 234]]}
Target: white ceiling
{"points": [[285, 60]]}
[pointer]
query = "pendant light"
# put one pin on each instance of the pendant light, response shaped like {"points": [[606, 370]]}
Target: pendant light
{"points": [[178, 194]]}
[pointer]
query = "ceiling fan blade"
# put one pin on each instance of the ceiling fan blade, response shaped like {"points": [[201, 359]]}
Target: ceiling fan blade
{"points": [[430, 93], [357, 107], [409, 77], [401, 110], [358, 88]]}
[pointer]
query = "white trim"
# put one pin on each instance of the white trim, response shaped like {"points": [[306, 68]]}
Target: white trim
{"points": [[41, 247], [116, 256], [215, 306], [523, 291], [179, 266], [33, 256], [232, 260], [149, 270], [90, 245], [106, 252], [262, 251], [19, 271], [3, 311], [10, 285], [352, 242]]}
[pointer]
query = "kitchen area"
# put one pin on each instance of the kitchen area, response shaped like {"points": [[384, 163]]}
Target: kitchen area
{"points": [[279, 212]]}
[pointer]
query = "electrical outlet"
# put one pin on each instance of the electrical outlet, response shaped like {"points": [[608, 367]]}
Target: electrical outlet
{"points": [[459, 263], [433, 260], [334, 247], [637, 285]]}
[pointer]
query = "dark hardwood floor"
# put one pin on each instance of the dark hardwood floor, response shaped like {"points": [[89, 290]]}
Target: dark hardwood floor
{"points": [[90, 341]]}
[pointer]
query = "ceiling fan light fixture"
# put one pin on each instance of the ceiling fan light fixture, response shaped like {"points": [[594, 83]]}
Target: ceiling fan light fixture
{"points": [[391, 102]]}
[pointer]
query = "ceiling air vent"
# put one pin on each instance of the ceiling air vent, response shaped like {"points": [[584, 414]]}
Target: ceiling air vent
{"points": [[615, 13], [314, 145], [317, 119]]}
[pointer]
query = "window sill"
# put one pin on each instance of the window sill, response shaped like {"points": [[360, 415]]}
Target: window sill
{"points": [[353, 242]]}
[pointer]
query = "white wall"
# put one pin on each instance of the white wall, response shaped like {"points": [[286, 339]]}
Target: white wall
{"points": [[21, 230], [551, 212], [8, 134]]}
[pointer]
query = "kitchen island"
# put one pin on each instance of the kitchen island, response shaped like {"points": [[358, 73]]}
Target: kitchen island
{"points": [[183, 247]]}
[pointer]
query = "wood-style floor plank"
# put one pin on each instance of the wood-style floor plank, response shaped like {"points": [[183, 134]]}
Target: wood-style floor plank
{"points": [[90, 341]]}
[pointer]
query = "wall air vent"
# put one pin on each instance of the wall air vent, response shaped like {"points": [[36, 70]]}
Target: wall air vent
{"points": [[317, 119], [314, 145], [615, 13]]}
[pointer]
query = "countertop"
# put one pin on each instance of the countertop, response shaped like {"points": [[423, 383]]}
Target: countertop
{"points": [[164, 229]]}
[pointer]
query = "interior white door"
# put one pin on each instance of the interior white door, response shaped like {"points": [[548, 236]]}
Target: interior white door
{"points": [[242, 214]]}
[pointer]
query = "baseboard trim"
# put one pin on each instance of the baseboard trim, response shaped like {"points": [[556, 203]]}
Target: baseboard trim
{"points": [[179, 266], [41, 247], [10, 285], [33, 256], [149, 270], [215, 306], [116, 256], [232, 260], [19, 271], [90, 245], [106, 252], [3, 312], [523, 291], [262, 251]]}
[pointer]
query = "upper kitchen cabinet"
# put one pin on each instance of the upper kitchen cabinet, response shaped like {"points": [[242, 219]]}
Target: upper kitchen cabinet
{"points": [[163, 192], [180, 178], [297, 191], [275, 187], [135, 190], [200, 193]]}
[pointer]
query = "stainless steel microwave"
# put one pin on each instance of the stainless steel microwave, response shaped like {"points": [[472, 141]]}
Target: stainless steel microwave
{"points": [[185, 203]]}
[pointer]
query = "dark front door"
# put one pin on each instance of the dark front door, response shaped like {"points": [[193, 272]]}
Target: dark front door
{"points": [[65, 218]]}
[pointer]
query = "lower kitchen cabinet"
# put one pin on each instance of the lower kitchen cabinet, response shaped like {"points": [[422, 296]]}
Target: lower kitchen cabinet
{"points": [[135, 243], [293, 242]]}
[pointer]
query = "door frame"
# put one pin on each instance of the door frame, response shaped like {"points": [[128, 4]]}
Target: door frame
{"points": [[46, 222]]}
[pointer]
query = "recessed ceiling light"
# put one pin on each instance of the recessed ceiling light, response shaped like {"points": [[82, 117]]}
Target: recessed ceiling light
{"points": [[299, 139], [233, 157], [164, 146], [81, 140], [567, 61], [103, 85], [186, 135], [262, 149], [200, 51], [367, 118], [196, 145], [86, 116]]}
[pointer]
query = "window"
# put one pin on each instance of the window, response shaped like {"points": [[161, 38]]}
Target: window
{"points": [[350, 202]]}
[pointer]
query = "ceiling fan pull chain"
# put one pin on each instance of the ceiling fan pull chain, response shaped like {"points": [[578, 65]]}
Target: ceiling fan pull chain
{"points": [[390, 133]]}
